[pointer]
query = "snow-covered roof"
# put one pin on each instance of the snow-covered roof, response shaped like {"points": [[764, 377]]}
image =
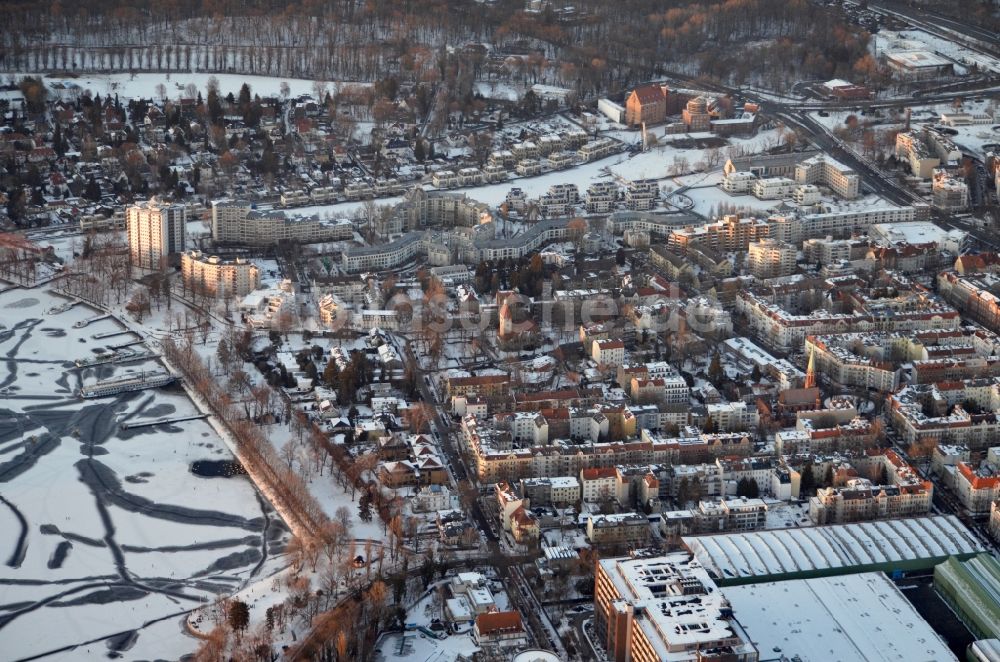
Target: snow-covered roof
{"points": [[866, 609], [829, 548]]}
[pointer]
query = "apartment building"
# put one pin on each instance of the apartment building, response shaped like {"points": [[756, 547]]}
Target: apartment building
{"points": [[601, 197], [714, 516], [877, 484], [738, 182], [851, 359], [769, 258], [806, 194], [155, 233], [212, 275], [977, 296], [642, 194], [560, 160], [528, 168], [486, 386], [731, 233], [732, 416], [773, 188], [551, 491], [861, 501], [238, 222], [794, 229], [603, 484], [665, 608], [937, 412], [821, 169], [978, 488], [420, 209], [911, 148], [495, 459], [949, 193], [608, 352], [780, 329], [597, 149], [925, 150], [383, 256], [620, 529], [813, 434]]}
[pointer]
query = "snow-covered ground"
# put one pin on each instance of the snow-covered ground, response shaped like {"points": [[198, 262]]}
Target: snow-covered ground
{"points": [[144, 85], [888, 40], [116, 532]]}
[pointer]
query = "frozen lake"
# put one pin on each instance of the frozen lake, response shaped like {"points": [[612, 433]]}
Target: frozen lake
{"points": [[107, 532]]}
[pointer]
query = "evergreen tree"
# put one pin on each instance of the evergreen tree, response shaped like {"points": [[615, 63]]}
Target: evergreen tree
{"points": [[683, 492], [419, 153], [93, 190], [807, 482], [365, 508], [244, 96], [747, 487], [239, 615], [715, 372], [58, 143]]}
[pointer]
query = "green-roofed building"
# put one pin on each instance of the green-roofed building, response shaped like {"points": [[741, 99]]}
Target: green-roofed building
{"points": [[972, 589]]}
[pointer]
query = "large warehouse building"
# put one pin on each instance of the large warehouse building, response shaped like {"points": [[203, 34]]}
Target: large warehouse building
{"points": [[850, 617], [904, 545]]}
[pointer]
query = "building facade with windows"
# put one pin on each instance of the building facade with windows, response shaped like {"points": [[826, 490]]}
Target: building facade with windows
{"points": [[155, 233]]}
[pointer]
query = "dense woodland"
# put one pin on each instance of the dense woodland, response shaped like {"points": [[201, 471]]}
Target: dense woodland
{"points": [[600, 47]]}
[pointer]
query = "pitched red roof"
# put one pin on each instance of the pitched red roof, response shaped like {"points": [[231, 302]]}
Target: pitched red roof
{"points": [[649, 94]]}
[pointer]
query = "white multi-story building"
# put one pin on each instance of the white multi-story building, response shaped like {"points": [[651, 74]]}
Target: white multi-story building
{"points": [[237, 222], [384, 256], [768, 258], [772, 188], [827, 250], [795, 229], [155, 232], [911, 147], [601, 197], [214, 276], [823, 170], [608, 352], [949, 192], [665, 608], [738, 181], [732, 416], [601, 484], [806, 194], [597, 149], [642, 194]]}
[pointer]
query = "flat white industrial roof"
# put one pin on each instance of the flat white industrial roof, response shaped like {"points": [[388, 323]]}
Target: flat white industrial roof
{"points": [[917, 59], [851, 617]]}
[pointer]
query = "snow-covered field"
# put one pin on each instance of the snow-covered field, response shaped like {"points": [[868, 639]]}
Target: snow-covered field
{"points": [[144, 85], [107, 530]]}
